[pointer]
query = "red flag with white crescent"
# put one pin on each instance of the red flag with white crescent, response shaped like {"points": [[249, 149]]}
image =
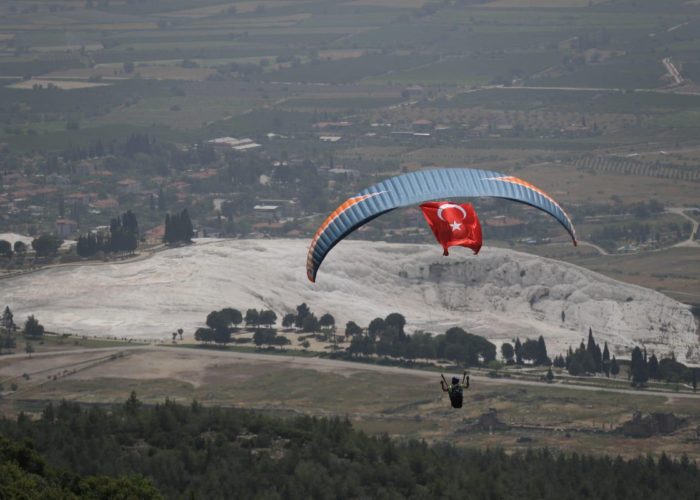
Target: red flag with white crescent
{"points": [[453, 224]]}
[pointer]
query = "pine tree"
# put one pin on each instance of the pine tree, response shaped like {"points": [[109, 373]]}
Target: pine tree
{"points": [[8, 320]]}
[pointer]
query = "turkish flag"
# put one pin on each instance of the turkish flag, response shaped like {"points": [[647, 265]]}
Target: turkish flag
{"points": [[453, 224]]}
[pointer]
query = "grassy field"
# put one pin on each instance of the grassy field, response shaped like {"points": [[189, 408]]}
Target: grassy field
{"points": [[406, 405]]}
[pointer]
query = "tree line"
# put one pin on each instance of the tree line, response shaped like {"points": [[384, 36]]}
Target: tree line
{"points": [[178, 228], [45, 245], [193, 451], [643, 369], [223, 323], [534, 351]]}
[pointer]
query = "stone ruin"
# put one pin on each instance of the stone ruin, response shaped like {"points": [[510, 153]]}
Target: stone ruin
{"points": [[651, 425], [487, 422]]}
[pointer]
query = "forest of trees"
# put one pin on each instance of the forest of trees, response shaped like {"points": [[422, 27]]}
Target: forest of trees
{"points": [[199, 452], [24, 473]]}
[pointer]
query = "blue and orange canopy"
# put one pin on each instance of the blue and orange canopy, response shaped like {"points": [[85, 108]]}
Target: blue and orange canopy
{"points": [[418, 187]]}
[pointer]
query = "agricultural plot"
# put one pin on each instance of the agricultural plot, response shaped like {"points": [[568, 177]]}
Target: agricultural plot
{"points": [[346, 71], [475, 70], [675, 272], [599, 187], [592, 100], [630, 167], [177, 112], [616, 73], [340, 103]]}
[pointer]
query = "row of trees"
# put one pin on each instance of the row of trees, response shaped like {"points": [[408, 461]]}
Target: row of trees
{"points": [[123, 237], [8, 250], [534, 351], [221, 324], [178, 228], [46, 245], [306, 321], [386, 337], [643, 369], [589, 359]]}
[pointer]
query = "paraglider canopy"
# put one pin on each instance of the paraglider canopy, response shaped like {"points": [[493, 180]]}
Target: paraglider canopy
{"points": [[418, 187]]}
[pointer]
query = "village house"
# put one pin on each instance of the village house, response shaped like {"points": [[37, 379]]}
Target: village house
{"points": [[65, 227], [128, 186], [86, 168], [267, 212]]}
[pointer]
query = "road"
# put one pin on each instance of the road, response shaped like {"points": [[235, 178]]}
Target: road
{"points": [[691, 241], [672, 70], [339, 366]]}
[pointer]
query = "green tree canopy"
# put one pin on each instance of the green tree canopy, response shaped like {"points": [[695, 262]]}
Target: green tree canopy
{"points": [[32, 327], [352, 329], [46, 245]]}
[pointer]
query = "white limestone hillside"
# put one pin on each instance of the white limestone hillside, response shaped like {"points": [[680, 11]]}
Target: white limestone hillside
{"points": [[498, 294]]}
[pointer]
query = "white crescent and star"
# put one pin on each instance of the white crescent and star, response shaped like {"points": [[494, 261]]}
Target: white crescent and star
{"points": [[456, 226]]}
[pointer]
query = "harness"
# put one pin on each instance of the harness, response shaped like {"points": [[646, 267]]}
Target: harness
{"points": [[456, 396]]}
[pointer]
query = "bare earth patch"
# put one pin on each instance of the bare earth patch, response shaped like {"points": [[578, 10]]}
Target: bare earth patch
{"points": [[60, 84]]}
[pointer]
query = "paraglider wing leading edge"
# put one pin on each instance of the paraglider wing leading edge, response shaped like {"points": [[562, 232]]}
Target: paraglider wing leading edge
{"points": [[417, 187]]}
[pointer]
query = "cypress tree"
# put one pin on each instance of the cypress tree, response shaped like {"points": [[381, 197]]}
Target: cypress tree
{"points": [[638, 367], [593, 349], [168, 230], [187, 228], [653, 368], [542, 358], [606, 360], [161, 200], [614, 367], [518, 352]]}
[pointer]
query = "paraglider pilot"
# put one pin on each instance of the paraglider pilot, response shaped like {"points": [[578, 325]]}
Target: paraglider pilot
{"points": [[454, 390]]}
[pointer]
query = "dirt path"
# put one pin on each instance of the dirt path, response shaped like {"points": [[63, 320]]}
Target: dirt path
{"points": [[690, 242], [672, 71]]}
